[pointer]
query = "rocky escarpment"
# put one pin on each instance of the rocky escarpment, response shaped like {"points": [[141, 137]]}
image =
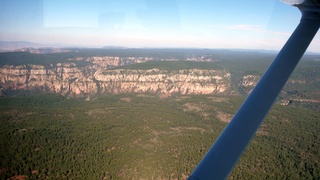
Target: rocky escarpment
{"points": [[111, 61], [248, 82], [163, 82], [72, 80], [64, 78]]}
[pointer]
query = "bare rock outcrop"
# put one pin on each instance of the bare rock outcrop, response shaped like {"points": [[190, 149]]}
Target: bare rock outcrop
{"points": [[71, 80], [248, 82], [62, 78], [162, 82]]}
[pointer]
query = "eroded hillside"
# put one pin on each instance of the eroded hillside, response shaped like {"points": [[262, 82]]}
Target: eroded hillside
{"points": [[72, 79]]}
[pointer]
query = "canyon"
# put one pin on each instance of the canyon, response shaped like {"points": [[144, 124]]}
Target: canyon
{"points": [[164, 72], [70, 79]]}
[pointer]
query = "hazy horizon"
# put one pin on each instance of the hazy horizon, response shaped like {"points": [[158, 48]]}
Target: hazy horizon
{"points": [[151, 23]]}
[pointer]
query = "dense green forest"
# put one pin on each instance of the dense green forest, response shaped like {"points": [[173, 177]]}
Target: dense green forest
{"points": [[135, 136]]}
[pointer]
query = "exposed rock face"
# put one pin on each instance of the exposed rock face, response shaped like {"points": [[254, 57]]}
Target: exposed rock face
{"points": [[63, 78], [111, 61], [69, 79], [162, 82], [248, 82]]}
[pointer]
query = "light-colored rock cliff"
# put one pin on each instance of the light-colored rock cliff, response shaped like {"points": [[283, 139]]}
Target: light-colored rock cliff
{"points": [[63, 78], [112, 61], [69, 79], [162, 82], [248, 82]]}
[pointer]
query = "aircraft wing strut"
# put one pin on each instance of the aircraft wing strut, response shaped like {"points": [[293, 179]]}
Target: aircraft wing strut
{"points": [[228, 148]]}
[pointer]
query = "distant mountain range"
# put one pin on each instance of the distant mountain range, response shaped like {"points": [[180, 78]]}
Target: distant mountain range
{"points": [[13, 45], [6, 46]]}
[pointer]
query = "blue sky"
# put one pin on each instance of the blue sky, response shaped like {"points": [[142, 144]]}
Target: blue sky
{"points": [[247, 24]]}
